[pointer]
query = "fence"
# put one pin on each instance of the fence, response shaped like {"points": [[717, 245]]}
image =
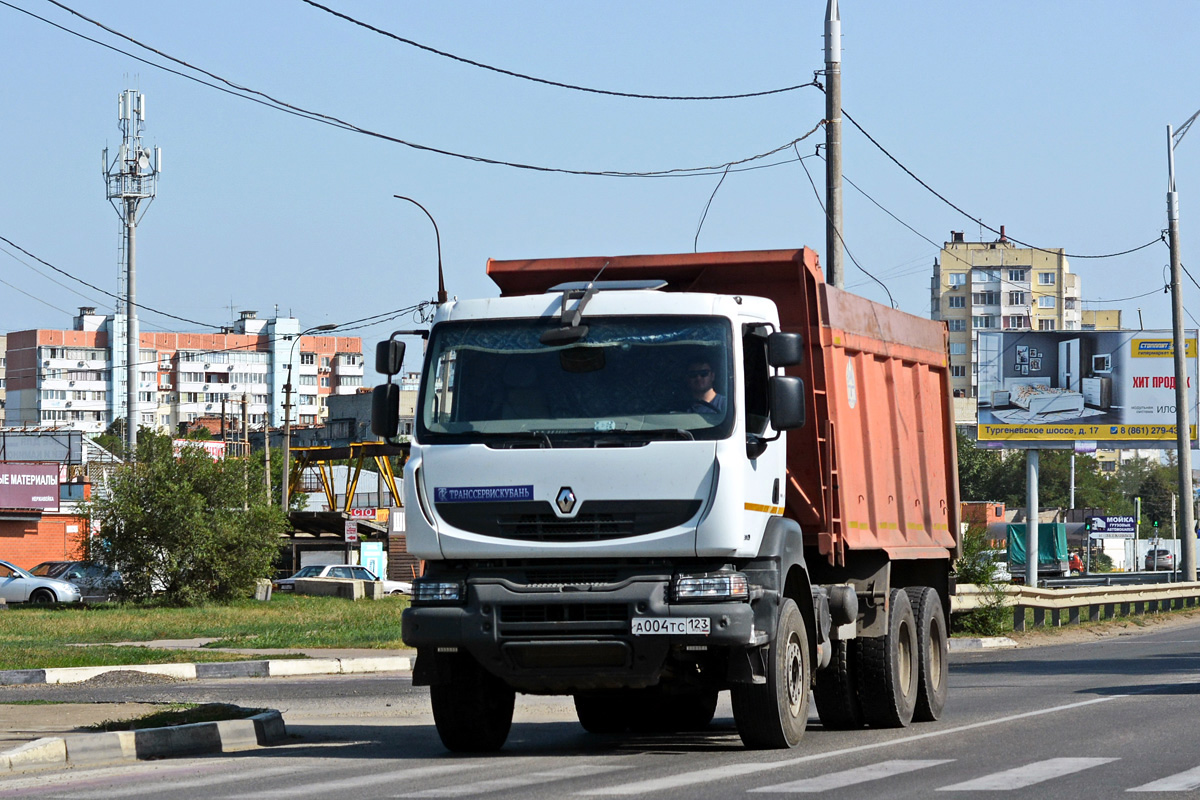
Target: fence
{"points": [[1096, 602]]}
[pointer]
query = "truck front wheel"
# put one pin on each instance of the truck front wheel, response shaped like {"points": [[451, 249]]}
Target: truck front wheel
{"points": [[888, 668], [774, 714], [473, 710], [933, 647]]}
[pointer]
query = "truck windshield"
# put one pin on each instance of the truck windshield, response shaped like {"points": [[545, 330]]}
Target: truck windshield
{"points": [[628, 380]]}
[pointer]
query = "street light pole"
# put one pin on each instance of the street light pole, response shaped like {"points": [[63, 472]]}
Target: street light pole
{"points": [[287, 413]]}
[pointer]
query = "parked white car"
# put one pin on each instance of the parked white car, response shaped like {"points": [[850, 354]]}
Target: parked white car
{"points": [[18, 586], [342, 571]]}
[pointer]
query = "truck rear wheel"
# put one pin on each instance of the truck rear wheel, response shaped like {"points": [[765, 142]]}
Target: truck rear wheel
{"points": [[888, 668], [773, 715], [835, 691], [473, 710], [933, 652]]}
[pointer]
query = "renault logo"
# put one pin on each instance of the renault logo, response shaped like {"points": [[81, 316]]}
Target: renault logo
{"points": [[565, 500]]}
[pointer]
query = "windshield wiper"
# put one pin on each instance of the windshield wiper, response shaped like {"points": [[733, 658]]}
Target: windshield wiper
{"points": [[513, 439]]}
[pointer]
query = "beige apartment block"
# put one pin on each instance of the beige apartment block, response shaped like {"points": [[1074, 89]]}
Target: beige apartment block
{"points": [[998, 285]]}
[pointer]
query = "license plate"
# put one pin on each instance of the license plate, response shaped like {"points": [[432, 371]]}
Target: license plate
{"points": [[647, 626]]}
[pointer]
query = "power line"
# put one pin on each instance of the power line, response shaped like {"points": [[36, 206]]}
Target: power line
{"points": [[839, 233], [328, 119], [546, 81], [977, 220], [105, 292]]}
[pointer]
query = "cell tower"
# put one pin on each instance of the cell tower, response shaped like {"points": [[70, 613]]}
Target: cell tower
{"points": [[131, 177]]}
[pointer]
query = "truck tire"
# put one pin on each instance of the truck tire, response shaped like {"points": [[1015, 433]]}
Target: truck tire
{"points": [[888, 668], [933, 652], [605, 712], [473, 710], [835, 691], [773, 715]]}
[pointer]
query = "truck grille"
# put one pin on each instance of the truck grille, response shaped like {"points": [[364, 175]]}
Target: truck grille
{"points": [[574, 612], [597, 519]]}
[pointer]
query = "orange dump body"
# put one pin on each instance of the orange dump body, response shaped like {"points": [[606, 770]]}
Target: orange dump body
{"points": [[875, 468]]}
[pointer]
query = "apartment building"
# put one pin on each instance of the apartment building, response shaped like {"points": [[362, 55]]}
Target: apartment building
{"points": [[999, 286], [3, 378], [72, 378]]}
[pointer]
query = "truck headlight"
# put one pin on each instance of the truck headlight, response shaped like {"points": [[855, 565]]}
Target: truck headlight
{"points": [[710, 586], [431, 591]]}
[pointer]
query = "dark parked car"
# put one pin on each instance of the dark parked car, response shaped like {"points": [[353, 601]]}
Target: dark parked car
{"points": [[95, 581], [1160, 559]]}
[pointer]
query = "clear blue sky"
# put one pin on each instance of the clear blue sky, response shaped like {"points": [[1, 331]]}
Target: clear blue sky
{"points": [[1049, 118]]}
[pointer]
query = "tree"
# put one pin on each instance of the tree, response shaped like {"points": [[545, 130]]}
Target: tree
{"points": [[186, 525], [1156, 495]]}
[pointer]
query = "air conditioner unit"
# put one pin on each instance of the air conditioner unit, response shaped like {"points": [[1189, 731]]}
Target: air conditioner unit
{"points": [[231, 367], [233, 386], [208, 366], [83, 363], [205, 387], [68, 404], [208, 407], [45, 363], [72, 383]]}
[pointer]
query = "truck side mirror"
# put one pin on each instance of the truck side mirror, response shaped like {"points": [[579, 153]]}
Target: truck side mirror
{"points": [[389, 357], [385, 409], [787, 402], [785, 349]]}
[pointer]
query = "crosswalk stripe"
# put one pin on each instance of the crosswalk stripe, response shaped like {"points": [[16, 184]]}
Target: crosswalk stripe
{"points": [[345, 786], [1182, 782], [1028, 775], [156, 787], [850, 777], [736, 770], [515, 781]]}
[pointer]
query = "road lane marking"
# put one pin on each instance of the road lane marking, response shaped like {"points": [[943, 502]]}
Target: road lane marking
{"points": [[737, 770], [121, 785], [850, 777], [342, 787], [516, 781], [1181, 782], [1028, 775]]}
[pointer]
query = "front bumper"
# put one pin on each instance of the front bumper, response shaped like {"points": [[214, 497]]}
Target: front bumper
{"points": [[566, 639]]}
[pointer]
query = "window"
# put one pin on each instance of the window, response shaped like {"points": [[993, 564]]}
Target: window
{"points": [[958, 371], [1046, 278], [985, 298], [1046, 325], [985, 321], [958, 279], [1069, 303], [957, 302], [1046, 301], [1016, 298], [958, 348], [1017, 275], [325, 382], [147, 419], [308, 380], [146, 397], [325, 361], [957, 324], [986, 275], [1016, 322], [350, 380], [165, 420], [308, 359]]}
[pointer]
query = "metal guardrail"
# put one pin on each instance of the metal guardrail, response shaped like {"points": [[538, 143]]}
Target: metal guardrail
{"points": [[1098, 602]]}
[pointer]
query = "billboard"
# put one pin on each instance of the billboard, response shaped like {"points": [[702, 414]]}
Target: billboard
{"points": [[1114, 388], [1114, 527], [215, 449], [25, 486]]}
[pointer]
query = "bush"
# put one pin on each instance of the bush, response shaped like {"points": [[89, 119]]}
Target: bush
{"points": [[975, 566], [187, 526]]}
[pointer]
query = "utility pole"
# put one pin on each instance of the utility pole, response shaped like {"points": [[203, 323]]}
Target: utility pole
{"points": [[131, 177], [1183, 428], [835, 273], [1031, 523], [287, 411], [245, 442], [267, 455]]}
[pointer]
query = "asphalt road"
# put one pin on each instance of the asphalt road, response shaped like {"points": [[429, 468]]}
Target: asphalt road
{"points": [[1081, 720]]}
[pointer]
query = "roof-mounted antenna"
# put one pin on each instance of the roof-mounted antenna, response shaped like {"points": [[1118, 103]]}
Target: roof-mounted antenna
{"points": [[441, 294]]}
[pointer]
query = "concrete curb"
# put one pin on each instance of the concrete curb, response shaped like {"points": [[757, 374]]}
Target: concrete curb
{"points": [[982, 643], [273, 668], [91, 749]]}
